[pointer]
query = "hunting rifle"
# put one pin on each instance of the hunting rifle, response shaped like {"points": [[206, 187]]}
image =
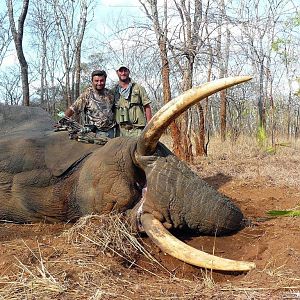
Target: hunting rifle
{"points": [[81, 133]]}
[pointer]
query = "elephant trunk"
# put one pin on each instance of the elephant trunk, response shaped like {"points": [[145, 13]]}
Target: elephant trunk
{"points": [[185, 200]]}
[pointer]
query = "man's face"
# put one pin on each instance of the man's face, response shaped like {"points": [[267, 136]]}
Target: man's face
{"points": [[98, 82], [123, 74]]}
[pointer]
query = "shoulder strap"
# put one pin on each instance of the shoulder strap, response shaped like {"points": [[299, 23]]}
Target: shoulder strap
{"points": [[132, 86]]}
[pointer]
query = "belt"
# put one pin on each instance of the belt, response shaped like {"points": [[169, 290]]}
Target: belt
{"points": [[104, 129], [126, 126]]}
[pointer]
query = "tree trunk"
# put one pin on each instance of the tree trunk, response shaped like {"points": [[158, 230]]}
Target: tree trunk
{"points": [[201, 146], [81, 28], [297, 124], [18, 40], [200, 138], [223, 62], [43, 71], [165, 73], [70, 38], [261, 107], [161, 37]]}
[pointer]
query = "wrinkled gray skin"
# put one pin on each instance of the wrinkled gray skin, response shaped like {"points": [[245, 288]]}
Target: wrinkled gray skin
{"points": [[44, 176]]}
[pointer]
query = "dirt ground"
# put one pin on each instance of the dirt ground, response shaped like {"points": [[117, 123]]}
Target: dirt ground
{"points": [[63, 261]]}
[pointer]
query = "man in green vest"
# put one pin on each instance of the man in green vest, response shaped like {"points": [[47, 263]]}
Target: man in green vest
{"points": [[133, 109]]}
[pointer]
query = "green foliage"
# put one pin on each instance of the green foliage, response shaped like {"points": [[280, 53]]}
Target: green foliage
{"points": [[293, 22], [261, 136], [276, 44], [284, 213], [262, 140], [247, 112], [271, 150], [296, 20]]}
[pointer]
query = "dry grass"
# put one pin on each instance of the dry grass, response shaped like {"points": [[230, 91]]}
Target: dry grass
{"points": [[113, 236], [100, 257], [97, 258], [245, 160], [33, 281]]}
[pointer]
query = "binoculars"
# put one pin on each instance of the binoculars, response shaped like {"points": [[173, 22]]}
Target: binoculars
{"points": [[124, 115]]}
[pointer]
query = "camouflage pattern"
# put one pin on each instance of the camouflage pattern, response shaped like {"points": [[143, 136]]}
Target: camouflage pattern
{"points": [[131, 111], [98, 108]]}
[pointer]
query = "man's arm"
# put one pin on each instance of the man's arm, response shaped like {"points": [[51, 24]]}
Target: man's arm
{"points": [[148, 112], [146, 103], [69, 112], [79, 104]]}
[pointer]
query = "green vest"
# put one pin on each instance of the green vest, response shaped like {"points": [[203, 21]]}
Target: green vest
{"points": [[131, 110]]}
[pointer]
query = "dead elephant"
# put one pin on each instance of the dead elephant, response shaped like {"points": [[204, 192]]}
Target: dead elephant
{"points": [[44, 176]]}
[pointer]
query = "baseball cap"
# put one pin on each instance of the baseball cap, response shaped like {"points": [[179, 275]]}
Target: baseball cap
{"points": [[121, 66]]}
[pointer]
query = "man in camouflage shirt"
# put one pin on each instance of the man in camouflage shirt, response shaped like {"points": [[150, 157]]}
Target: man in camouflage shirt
{"points": [[97, 103]]}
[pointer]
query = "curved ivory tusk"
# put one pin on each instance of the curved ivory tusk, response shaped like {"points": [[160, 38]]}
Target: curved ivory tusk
{"points": [[176, 248], [169, 112]]}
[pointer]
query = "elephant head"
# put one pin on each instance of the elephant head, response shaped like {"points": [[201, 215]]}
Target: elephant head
{"points": [[176, 196], [43, 175]]}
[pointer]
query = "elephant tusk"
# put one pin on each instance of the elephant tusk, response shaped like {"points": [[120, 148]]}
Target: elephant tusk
{"points": [[149, 138], [176, 248]]}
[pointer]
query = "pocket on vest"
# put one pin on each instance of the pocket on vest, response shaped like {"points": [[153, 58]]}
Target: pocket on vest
{"points": [[136, 115]]}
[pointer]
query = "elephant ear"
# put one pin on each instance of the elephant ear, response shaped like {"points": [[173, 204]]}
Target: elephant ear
{"points": [[61, 153], [27, 141]]}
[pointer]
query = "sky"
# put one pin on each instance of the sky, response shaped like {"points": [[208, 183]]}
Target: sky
{"points": [[105, 12]]}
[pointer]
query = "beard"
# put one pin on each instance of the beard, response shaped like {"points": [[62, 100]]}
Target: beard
{"points": [[124, 78]]}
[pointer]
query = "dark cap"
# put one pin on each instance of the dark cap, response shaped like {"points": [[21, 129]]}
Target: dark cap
{"points": [[99, 73]]}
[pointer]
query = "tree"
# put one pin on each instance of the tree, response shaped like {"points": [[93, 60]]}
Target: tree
{"points": [[223, 57], [70, 33], [259, 21], [287, 51], [10, 86], [5, 35], [193, 22], [161, 31], [42, 29], [180, 45], [18, 40], [95, 61], [78, 45]]}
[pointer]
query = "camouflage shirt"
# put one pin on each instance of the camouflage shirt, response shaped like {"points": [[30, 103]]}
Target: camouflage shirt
{"points": [[98, 108]]}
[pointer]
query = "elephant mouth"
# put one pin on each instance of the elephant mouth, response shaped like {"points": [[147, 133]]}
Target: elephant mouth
{"points": [[146, 146]]}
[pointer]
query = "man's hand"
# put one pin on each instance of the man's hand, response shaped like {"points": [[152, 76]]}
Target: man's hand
{"points": [[61, 123], [61, 114]]}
